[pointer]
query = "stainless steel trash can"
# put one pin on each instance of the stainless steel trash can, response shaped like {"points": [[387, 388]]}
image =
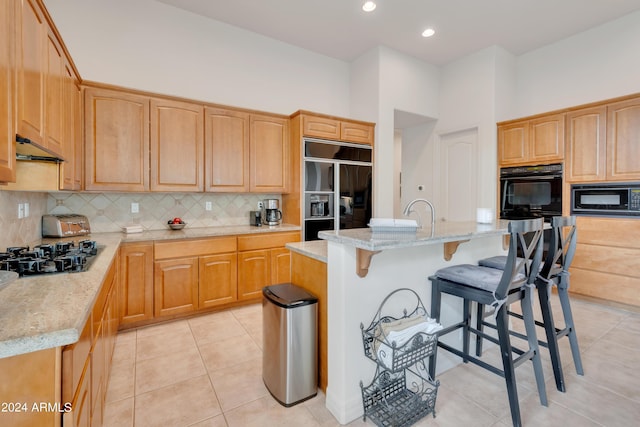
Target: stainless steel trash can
{"points": [[290, 344]]}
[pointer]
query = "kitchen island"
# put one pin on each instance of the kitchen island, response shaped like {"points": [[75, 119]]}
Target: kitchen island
{"points": [[363, 268]]}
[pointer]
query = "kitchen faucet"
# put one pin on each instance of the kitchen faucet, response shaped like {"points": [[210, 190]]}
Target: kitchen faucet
{"points": [[407, 211]]}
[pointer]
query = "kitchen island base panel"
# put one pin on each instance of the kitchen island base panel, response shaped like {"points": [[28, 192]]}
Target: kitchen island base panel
{"points": [[353, 300]]}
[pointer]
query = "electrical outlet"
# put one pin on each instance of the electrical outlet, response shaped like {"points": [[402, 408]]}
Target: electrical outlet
{"points": [[26, 210], [207, 206], [135, 207], [20, 210], [259, 206]]}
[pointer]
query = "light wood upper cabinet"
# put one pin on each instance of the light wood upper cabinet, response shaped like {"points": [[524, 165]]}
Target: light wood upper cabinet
{"points": [[31, 71], [623, 146], [338, 130], [7, 91], [71, 168], [320, 127], [116, 141], [269, 152], [513, 143], [177, 146], [586, 144], [356, 132], [539, 140], [226, 150], [54, 90]]}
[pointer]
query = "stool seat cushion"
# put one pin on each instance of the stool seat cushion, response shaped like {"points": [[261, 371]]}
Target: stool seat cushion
{"points": [[500, 261], [472, 275]]}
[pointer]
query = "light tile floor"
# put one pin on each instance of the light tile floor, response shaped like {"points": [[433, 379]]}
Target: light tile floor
{"points": [[206, 371]]}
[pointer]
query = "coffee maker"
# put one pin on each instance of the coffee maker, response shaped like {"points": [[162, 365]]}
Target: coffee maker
{"points": [[271, 213]]}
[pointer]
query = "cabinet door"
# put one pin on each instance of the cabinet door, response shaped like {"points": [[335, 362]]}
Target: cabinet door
{"points": [[71, 168], [31, 70], [546, 138], [280, 266], [586, 145], [269, 149], [623, 148], [54, 91], [356, 132], [218, 280], [98, 378], [80, 414], [513, 143], [116, 141], [321, 127], [175, 286], [7, 92], [177, 146], [136, 282], [254, 273], [227, 150]]}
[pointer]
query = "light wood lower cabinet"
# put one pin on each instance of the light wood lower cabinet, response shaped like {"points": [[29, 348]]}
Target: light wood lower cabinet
{"points": [[605, 263], [263, 261], [136, 282], [87, 363], [311, 275], [27, 379], [204, 275], [218, 280], [175, 286]]}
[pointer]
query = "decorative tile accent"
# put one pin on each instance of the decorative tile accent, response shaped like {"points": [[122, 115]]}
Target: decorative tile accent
{"points": [[109, 212]]}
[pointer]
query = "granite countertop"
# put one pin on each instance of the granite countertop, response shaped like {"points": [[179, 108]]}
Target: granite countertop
{"points": [[46, 311], [444, 232], [316, 249]]}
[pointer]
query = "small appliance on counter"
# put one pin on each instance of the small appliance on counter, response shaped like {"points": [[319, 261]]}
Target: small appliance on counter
{"points": [[65, 225], [271, 213], [255, 218]]}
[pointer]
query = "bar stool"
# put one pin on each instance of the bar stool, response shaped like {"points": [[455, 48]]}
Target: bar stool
{"points": [[554, 272], [497, 288]]}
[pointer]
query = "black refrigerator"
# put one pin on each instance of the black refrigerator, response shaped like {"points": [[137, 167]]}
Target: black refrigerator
{"points": [[338, 180]]}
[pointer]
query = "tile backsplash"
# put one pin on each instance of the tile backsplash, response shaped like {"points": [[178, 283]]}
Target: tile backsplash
{"points": [[21, 231], [109, 212]]}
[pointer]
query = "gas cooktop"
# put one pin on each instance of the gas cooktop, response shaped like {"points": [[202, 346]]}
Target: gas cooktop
{"points": [[47, 258]]}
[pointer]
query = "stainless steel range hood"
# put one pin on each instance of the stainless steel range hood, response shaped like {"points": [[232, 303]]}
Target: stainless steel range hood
{"points": [[28, 150]]}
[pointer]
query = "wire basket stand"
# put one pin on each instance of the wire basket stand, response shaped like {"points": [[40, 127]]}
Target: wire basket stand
{"points": [[402, 391]]}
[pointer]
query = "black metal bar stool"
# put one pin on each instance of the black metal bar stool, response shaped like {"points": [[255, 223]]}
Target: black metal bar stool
{"points": [[497, 288], [554, 272]]}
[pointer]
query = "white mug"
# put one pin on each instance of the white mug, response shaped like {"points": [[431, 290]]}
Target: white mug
{"points": [[484, 216]]}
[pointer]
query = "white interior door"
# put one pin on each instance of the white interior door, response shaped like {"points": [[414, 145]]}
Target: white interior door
{"points": [[458, 175]]}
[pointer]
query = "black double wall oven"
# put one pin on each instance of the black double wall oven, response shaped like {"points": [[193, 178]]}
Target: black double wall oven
{"points": [[528, 192]]}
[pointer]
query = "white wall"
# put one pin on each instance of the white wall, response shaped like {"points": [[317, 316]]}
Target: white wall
{"points": [[595, 65], [401, 83], [150, 46]]}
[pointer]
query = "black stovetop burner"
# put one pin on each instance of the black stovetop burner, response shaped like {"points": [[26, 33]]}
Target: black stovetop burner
{"points": [[56, 257]]}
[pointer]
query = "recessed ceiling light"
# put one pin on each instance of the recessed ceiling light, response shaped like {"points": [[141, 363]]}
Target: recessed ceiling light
{"points": [[369, 6], [428, 32]]}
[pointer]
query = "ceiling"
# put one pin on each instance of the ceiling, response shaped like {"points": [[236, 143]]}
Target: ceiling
{"points": [[340, 29]]}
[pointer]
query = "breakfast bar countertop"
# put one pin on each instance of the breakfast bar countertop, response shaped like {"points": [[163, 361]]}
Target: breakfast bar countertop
{"points": [[50, 310], [444, 232], [316, 249]]}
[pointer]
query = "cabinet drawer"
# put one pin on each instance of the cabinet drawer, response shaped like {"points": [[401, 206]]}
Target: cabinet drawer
{"points": [[195, 247], [266, 240]]}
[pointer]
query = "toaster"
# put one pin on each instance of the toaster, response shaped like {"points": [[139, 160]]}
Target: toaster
{"points": [[65, 225]]}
